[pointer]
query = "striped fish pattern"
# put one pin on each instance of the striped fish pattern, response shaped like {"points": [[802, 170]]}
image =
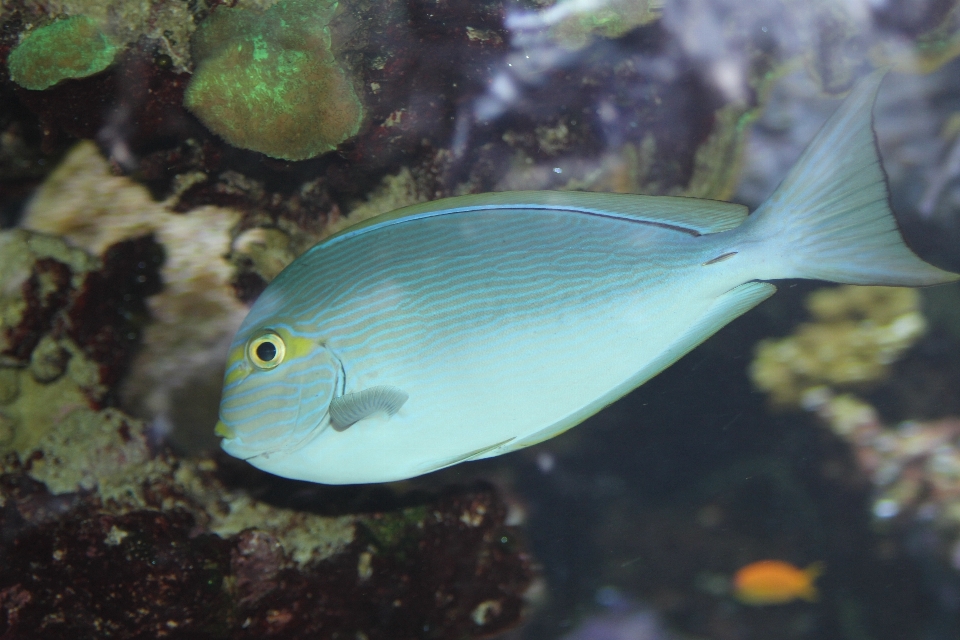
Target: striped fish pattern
{"points": [[474, 326]]}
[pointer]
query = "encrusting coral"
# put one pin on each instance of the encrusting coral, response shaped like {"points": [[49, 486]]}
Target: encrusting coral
{"points": [[195, 314], [167, 24], [269, 82], [914, 468], [857, 333], [573, 23], [178, 554], [70, 48], [68, 325]]}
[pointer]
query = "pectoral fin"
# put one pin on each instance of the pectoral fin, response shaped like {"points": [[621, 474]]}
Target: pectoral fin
{"points": [[350, 408]]}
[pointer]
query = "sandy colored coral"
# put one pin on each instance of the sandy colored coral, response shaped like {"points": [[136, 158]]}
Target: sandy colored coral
{"points": [[914, 466], [305, 537], [87, 448], [38, 405], [574, 23], [394, 192], [196, 314], [856, 334], [268, 249], [107, 452], [34, 397]]}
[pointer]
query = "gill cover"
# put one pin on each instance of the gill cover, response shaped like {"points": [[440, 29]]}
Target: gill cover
{"points": [[277, 389]]}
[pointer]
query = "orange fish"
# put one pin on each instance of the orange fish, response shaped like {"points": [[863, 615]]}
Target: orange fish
{"points": [[775, 582]]}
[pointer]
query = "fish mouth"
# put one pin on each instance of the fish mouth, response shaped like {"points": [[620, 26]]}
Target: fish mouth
{"points": [[224, 431], [233, 444], [302, 425], [236, 447]]}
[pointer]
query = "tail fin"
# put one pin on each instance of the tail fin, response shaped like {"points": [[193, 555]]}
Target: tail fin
{"points": [[830, 219], [814, 571]]}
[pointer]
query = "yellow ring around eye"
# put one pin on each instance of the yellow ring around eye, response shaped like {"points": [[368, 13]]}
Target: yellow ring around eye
{"points": [[266, 351]]}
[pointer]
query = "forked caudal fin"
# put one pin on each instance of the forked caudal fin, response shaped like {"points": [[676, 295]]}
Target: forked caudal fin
{"points": [[830, 218]]}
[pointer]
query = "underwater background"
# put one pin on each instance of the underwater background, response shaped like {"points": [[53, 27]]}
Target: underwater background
{"points": [[162, 160]]}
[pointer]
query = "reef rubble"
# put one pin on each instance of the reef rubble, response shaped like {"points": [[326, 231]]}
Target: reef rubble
{"points": [[77, 567], [856, 334], [102, 534]]}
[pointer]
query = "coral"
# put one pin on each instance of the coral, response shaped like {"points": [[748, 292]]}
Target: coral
{"points": [[858, 332], [68, 327], [573, 23], [170, 556], [88, 450], [304, 537], [394, 192], [914, 468], [459, 548], [195, 314], [109, 312], [632, 168], [85, 490], [268, 82], [167, 23], [70, 48], [266, 251], [35, 405], [939, 45], [37, 273]]}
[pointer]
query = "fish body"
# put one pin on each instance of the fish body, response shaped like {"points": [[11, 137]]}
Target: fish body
{"points": [[776, 582], [474, 326]]}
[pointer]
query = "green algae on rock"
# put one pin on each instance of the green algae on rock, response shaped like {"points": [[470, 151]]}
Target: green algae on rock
{"points": [[68, 326], [197, 309], [37, 275], [96, 498], [71, 48], [268, 81], [574, 24]]}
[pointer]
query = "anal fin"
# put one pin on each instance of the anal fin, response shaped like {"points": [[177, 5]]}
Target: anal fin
{"points": [[476, 454]]}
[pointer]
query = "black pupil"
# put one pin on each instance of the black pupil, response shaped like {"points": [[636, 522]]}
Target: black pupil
{"points": [[266, 351]]}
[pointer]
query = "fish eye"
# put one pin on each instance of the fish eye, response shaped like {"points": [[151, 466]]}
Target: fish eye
{"points": [[266, 351]]}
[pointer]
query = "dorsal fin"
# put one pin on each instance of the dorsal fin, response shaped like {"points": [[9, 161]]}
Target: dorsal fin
{"points": [[687, 214], [351, 408]]}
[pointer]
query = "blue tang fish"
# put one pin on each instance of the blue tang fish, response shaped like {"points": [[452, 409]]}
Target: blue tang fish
{"points": [[474, 326]]}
